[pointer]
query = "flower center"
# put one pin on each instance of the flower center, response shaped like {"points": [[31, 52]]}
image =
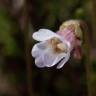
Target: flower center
{"points": [[57, 45]]}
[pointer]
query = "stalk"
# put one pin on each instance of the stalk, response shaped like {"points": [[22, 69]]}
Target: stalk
{"points": [[27, 48], [88, 63]]}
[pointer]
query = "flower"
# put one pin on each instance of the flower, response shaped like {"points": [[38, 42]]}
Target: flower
{"points": [[55, 48]]}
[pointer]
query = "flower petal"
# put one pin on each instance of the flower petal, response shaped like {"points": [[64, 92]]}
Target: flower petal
{"points": [[52, 59], [39, 62], [61, 64], [57, 59], [38, 48], [45, 56], [44, 34]]}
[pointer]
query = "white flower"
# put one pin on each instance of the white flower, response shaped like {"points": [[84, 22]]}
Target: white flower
{"points": [[52, 49]]}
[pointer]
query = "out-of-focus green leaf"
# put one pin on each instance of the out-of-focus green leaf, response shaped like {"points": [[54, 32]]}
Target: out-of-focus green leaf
{"points": [[6, 38]]}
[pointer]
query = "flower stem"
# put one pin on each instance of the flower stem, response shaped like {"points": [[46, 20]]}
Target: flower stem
{"points": [[27, 49], [88, 63]]}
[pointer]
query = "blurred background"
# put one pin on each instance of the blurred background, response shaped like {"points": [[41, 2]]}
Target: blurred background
{"points": [[18, 74]]}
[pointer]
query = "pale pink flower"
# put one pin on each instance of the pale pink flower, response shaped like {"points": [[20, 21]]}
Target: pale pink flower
{"points": [[55, 48]]}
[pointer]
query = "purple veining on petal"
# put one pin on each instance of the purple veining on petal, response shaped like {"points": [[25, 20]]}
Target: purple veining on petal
{"points": [[68, 34]]}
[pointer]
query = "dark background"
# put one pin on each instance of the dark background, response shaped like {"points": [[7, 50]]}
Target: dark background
{"points": [[18, 74]]}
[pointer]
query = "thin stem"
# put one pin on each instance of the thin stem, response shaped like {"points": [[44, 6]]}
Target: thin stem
{"points": [[27, 48], [88, 63]]}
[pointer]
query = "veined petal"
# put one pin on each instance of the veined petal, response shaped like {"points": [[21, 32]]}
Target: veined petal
{"points": [[51, 58], [44, 55], [61, 64], [44, 34], [68, 45], [56, 59]]}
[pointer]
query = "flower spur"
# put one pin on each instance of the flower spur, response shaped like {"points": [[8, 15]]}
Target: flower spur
{"points": [[55, 48]]}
